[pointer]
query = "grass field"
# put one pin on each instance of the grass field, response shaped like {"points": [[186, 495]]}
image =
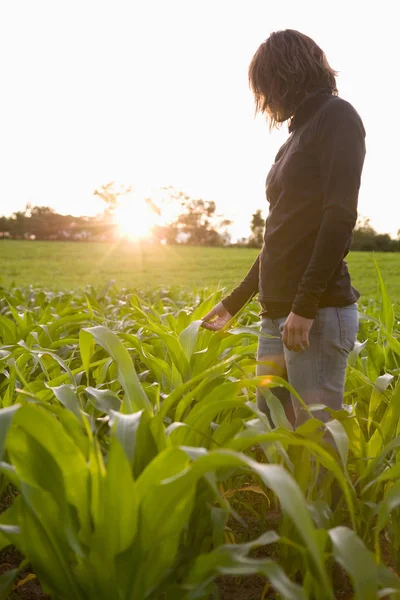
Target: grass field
{"points": [[68, 265]]}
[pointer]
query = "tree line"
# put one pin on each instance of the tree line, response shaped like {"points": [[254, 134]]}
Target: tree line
{"points": [[197, 223]]}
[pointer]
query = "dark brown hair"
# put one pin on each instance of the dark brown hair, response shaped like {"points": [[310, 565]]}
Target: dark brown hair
{"points": [[286, 67]]}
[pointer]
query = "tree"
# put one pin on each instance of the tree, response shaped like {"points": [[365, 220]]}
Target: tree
{"points": [[43, 222], [201, 223], [196, 223], [365, 238], [3, 224], [166, 233], [110, 195], [18, 223], [257, 226]]}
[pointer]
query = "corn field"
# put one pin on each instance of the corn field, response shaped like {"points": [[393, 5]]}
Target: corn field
{"points": [[135, 464]]}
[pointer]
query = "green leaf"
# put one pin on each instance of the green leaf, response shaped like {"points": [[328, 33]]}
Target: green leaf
{"points": [[68, 398], [135, 396], [205, 306], [125, 430], [43, 351], [41, 432], [388, 580], [281, 483], [276, 409], [380, 385], [7, 582], [211, 373], [350, 552], [115, 526], [188, 338], [390, 502], [358, 348], [10, 533], [46, 544], [86, 345], [8, 330], [6, 417], [387, 312], [378, 460], [165, 510], [341, 440], [394, 343], [103, 400], [233, 559], [248, 438]]}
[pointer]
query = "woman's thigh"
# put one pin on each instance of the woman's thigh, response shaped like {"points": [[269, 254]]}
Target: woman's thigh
{"points": [[270, 351], [318, 373]]}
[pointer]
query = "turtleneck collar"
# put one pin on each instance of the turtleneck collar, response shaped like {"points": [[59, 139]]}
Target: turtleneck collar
{"points": [[310, 103]]}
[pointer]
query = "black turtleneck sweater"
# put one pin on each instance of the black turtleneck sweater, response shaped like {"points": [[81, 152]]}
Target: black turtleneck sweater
{"points": [[312, 189]]}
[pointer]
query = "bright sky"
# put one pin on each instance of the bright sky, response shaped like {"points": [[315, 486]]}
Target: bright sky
{"points": [[155, 93]]}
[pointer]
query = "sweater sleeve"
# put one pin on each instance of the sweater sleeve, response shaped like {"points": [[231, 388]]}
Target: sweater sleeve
{"points": [[341, 149], [246, 290]]}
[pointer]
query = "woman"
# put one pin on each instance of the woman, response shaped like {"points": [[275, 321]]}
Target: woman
{"points": [[308, 303]]}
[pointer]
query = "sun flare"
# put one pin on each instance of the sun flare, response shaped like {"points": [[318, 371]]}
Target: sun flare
{"points": [[135, 218]]}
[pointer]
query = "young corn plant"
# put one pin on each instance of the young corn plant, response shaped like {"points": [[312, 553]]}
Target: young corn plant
{"points": [[85, 540]]}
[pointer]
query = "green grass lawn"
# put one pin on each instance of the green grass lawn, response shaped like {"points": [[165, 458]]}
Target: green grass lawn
{"points": [[65, 265]]}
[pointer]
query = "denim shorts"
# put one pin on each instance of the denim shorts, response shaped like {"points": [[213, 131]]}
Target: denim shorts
{"points": [[316, 373]]}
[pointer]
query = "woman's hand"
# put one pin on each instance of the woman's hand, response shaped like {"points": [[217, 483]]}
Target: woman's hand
{"points": [[296, 332], [217, 318]]}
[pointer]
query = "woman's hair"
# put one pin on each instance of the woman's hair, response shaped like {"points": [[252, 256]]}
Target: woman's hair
{"points": [[286, 67]]}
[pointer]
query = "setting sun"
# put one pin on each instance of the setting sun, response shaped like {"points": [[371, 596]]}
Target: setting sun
{"points": [[135, 218]]}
